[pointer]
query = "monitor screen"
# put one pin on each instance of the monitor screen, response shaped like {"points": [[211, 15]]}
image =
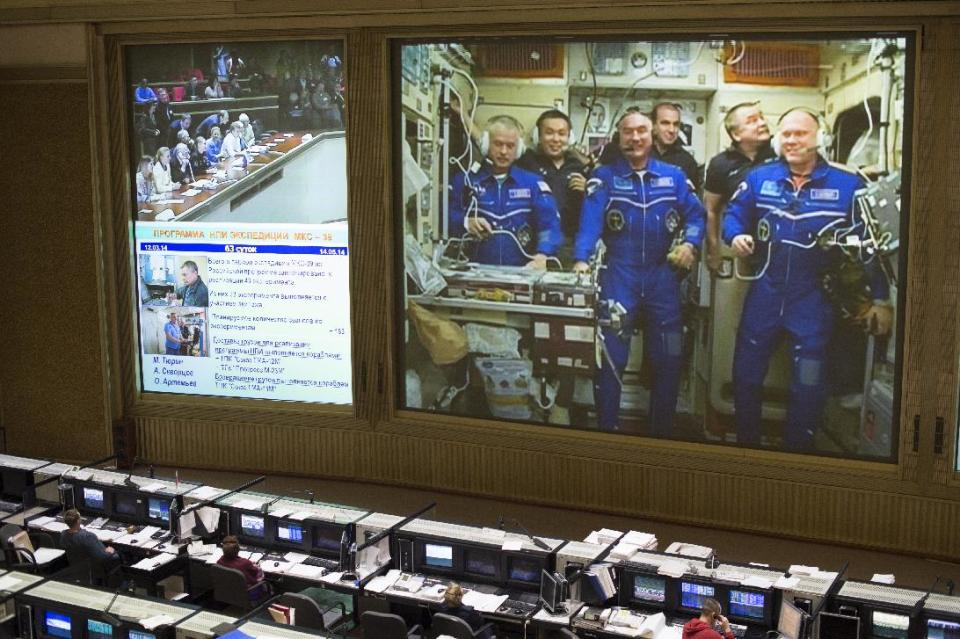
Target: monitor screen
{"points": [[834, 626], [216, 219], [438, 555], [790, 624], [140, 634], [701, 87], [551, 594], [158, 509], [327, 538], [525, 569], [15, 481], [941, 629], [56, 624], [93, 498], [692, 595], [125, 504], [99, 630], [290, 531], [649, 589], [747, 604], [481, 562], [251, 526], [888, 625]]}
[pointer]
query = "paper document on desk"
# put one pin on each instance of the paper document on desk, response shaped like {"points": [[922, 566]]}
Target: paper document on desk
{"points": [[787, 583], [674, 569], [155, 487], [689, 550], [198, 548], [169, 201], [40, 522], [643, 540], [381, 583], [512, 544], [331, 577], [300, 516], [190, 192], [165, 215], [8, 582], [82, 475], [798, 569], [251, 555], [296, 557], [55, 526], [46, 555], [152, 563], [215, 556], [156, 621], [280, 567], [205, 492], [483, 602], [432, 592], [305, 571], [625, 618], [653, 625], [280, 513], [106, 535], [247, 504], [623, 551], [883, 579], [756, 582]]}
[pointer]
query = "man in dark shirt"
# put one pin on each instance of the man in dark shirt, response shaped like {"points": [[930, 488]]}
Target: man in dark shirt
{"points": [[561, 167], [750, 146], [194, 291], [82, 545], [666, 144], [231, 558]]}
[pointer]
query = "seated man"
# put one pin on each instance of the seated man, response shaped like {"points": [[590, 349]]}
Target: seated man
{"points": [[83, 546], [231, 558], [453, 605], [703, 626]]}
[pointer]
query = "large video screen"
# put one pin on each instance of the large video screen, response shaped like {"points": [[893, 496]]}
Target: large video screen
{"points": [[238, 169], [689, 239]]}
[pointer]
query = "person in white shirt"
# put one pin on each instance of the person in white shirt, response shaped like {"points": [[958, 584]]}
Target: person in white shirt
{"points": [[233, 144], [162, 181], [248, 134]]}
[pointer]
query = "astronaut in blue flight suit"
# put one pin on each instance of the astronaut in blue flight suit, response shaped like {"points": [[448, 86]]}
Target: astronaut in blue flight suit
{"points": [[637, 205], [511, 212], [781, 211]]}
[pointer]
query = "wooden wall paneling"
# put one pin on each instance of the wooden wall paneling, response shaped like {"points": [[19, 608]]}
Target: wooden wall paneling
{"points": [[51, 345]]}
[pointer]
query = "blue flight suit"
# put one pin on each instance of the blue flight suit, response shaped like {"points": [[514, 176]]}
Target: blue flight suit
{"points": [[638, 218], [521, 204], [787, 296]]}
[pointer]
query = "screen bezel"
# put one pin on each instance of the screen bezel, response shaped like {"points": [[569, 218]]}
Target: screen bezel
{"points": [[633, 600], [765, 620], [898, 613], [496, 563], [540, 562], [107, 494], [86, 628], [44, 613], [286, 523], [718, 593], [160, 520], [241, 532]]}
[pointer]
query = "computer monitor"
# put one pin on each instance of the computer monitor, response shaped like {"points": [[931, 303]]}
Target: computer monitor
{"points": [[438, 556], [747, 605], [943, 629], [140, 634], [524, 570], [327, 537], [15, 482], [250, 526], [57, 624], [836, 626], [890, 625], [290, 532], [790, 624], [158, 509], [93, 498], [551, 592], [481, 563], [99, 629], [693, 594], [125, 504], [648, 589]]}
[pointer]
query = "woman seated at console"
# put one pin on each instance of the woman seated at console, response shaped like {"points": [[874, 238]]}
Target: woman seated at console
{"points": [[453, 605], [145, 190], [231, 558], [214, 144], [162, 178]]}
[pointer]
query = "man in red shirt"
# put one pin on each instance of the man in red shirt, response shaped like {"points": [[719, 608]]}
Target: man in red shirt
{"points": [[703, 627], [231, 559]]}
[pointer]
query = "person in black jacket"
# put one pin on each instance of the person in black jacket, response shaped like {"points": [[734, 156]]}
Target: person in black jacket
{"points": [[453, 605]]}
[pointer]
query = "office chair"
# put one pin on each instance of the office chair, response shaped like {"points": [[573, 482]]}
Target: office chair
{"points": [[18, 549], [309, 614], [383, 625], [230, 588], [456, 627]]}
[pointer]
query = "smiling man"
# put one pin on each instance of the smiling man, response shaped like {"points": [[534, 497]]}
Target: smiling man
{"points": [[781, 211]]}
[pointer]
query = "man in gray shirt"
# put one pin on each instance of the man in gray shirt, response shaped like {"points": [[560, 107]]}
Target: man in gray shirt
{"points": [[83, 546]]}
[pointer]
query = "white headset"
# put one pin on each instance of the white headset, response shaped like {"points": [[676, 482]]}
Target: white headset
{"points": [[502, 119], [547, 115], [824, 137]]}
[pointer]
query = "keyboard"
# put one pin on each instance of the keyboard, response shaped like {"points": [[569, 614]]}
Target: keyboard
{"points": [[738, 630], [319, 562], [517, 608], [9, 506]]}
